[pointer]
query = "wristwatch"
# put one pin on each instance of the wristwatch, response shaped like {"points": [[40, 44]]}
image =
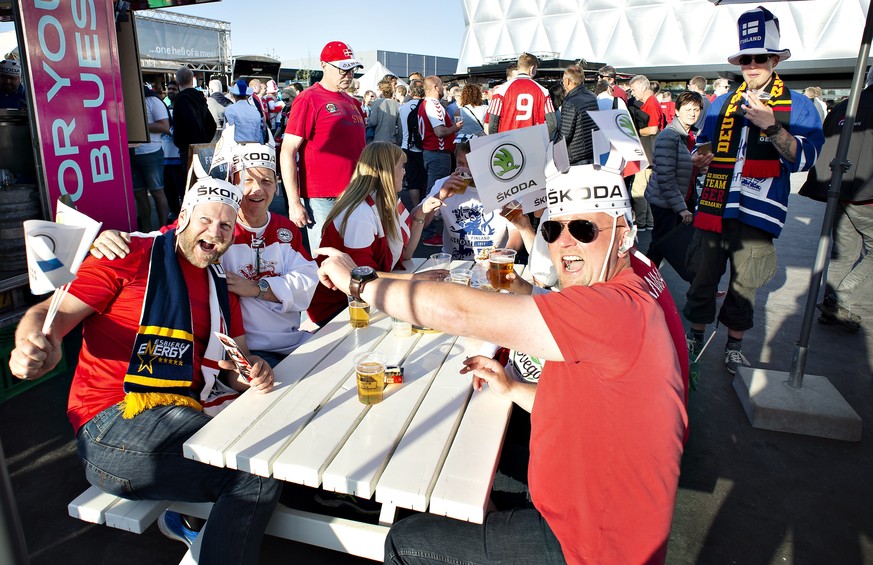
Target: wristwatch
{"points": [[773, 130], [263, 287], [360, 277]]}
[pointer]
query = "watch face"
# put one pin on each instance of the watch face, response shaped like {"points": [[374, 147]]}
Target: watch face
{"points": [[263, 285], [362, 272]]}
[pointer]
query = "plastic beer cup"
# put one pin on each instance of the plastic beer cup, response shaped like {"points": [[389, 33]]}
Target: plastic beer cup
{"points": [[501, 262], [370, 376], [359, 313]]}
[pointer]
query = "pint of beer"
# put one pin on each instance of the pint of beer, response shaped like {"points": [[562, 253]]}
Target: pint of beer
{"points": [[501, 263], [359, 313], [370, 375], [466, 179], [511, 211]]}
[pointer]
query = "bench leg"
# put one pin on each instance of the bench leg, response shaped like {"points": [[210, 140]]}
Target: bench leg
{"points": [[388, 514]]}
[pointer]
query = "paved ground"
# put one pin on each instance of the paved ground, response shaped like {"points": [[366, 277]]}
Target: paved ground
{"points": [[746, 496]]}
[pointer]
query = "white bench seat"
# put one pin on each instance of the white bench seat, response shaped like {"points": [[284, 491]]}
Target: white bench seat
{"points": [[337, 534]]}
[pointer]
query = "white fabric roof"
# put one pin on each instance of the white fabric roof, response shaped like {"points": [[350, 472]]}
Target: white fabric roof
{"points": [[681, 35], [371, 78]]}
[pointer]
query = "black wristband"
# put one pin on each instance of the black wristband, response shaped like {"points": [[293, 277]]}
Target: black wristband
{"points": [[773, 130]]}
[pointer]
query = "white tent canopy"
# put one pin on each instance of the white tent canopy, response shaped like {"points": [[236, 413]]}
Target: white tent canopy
{"points": [[371, 78], [8, 42]]}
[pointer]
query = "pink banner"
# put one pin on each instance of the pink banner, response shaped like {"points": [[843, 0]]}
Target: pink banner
{"points": [[72, 58]]}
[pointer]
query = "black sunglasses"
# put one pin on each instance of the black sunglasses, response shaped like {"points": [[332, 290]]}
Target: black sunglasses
{"points": [[760, 59], [582, 230], [349, 72]]}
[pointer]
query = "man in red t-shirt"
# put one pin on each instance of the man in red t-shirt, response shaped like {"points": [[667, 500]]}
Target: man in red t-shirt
{"points": [[133, 406], [607, 414], [521, 102], [323, 140], [642, 92]]}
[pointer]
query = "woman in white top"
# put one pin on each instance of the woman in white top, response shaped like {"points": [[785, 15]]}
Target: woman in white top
{"points": [[605, 99]]}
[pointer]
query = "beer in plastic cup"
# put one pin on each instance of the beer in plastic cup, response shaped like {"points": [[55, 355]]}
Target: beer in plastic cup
{"points": [[501, 263], [370, 375], [511, 211], [359, 313], [400, 327], [466, 179], [460, 276], [440, 261]]}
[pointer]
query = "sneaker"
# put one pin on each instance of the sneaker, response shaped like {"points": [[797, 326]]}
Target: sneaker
{"points": [[170, 524], [832, 313], [433, 241], [734, 359], [695, 346], [337, 500]]}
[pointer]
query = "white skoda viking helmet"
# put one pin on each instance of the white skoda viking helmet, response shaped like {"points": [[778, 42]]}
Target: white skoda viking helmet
{"points": [[240, 156], [586, 189], [207, 190]]}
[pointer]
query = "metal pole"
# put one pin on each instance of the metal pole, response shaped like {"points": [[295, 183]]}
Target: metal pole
{"points": [[12, 546], [838, 167]]}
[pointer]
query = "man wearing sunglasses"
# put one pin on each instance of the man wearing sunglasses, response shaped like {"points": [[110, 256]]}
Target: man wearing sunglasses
{"points": [[326, 128], [761, 132], [609, 416]]}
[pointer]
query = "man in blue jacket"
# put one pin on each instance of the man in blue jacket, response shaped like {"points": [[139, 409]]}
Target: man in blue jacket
{"points": [[761, 132]]}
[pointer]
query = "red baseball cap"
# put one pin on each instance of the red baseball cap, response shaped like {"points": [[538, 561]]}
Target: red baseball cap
{"points": [[340, 55]]}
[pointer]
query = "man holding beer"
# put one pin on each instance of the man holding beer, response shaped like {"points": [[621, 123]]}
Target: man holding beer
{"points": [[609, 416]]}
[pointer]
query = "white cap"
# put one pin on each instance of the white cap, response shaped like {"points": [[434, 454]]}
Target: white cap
{"points": [[585, 189]]}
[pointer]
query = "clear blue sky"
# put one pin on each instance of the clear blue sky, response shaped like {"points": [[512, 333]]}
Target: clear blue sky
{"points": [[290, 30]]}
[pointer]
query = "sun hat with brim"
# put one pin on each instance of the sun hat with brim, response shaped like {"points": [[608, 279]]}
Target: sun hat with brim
{"points": [[340, 55], [240, 88], [759, 35]]}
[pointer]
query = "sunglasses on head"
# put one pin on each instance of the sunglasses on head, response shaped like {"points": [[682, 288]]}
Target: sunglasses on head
{"points": [[583, 231], [760, 59]]}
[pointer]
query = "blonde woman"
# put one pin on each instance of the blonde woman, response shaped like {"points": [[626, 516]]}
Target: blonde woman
{"points": [[369, 222]]}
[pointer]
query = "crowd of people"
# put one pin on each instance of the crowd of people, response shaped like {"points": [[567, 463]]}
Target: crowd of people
{"points": [[606, 429]]}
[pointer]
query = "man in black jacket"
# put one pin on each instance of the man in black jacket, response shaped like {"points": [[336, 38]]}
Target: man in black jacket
{"points": [[192, 122], [576, 123], [850, 281]]}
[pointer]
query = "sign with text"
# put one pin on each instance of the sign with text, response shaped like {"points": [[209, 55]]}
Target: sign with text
{"points": [[617, 144], [72, 60], [165, 40], [509, 165]]}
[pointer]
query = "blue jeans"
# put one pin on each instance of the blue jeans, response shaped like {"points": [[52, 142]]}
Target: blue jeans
{"points": [[516, 536], [147, 171], [438, 164], [318, 209], [851, 280], [141, 459]]}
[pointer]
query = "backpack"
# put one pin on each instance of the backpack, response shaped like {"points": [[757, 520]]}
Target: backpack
{"points": [[413, 137]]}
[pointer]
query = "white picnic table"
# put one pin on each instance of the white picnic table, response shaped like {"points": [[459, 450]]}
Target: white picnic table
{"points": [[431, 445]]}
